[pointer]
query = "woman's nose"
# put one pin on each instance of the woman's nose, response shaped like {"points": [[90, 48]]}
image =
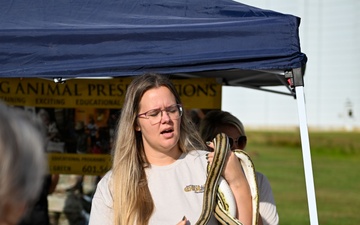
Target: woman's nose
{"points": [[164, 116]]}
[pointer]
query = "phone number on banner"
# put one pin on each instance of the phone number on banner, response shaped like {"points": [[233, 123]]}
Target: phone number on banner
{"points": [[84, 164]]}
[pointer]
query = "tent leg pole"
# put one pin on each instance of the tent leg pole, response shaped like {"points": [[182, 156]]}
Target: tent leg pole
{"points": [[304, 135]]}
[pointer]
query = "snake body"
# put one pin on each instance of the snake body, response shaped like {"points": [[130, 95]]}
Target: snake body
{"points": [[218, 198], [214, 174]]}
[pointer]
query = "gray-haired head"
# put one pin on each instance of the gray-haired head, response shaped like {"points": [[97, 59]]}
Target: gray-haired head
{"points": [[22, 158]]}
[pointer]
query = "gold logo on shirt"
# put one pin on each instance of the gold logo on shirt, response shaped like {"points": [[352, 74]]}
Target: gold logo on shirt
{"points": [[194, 188]]}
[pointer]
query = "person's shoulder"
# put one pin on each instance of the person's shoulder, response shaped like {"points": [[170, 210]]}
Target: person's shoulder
{"points": [[197, 157], [195, 160], [261, 176], [104, 186], [197, 153], [105, 180], [108, 175], [104, 194], [262, 180]]}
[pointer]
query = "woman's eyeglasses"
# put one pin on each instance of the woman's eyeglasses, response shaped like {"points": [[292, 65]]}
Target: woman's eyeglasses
{"points": [[240, 141], [154, 115]]}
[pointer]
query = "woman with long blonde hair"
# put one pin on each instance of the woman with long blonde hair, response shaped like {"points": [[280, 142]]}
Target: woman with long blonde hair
{"points": [[159, 167]]}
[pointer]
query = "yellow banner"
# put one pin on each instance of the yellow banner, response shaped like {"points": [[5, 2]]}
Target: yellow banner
{"points": [[85, 164], [202, 93]]}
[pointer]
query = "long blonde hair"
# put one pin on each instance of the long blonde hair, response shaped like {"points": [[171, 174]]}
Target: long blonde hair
{"points": [[132, 199]]}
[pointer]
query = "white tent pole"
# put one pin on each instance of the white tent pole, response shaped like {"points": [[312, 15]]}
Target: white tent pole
{"points": [[304, 135]]}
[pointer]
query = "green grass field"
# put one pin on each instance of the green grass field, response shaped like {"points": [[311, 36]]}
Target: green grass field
{"points": [[336, 168]]}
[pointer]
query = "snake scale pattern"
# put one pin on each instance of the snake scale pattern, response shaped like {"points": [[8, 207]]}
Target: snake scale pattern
{"points": [[218, 198]]}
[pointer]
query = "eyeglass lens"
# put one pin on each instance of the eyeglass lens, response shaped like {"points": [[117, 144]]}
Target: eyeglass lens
{"points": [[173, 111]]}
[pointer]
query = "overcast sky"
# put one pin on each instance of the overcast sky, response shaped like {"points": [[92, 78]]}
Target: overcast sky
{"points": [[329, 36]]}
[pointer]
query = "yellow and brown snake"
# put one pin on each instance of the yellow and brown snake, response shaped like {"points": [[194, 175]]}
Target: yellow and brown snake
{"points": [[218, 198]]}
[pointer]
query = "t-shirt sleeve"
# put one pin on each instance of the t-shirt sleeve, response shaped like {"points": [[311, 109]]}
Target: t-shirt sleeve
{"points": [[101, 207], [267, 206]]}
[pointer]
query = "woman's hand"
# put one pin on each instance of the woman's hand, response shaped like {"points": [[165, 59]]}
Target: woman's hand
{"points": [[235, 177], [232, 170], [183, 221]]}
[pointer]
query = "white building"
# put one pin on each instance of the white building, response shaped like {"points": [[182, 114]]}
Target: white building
{"points": [[329, 36]]}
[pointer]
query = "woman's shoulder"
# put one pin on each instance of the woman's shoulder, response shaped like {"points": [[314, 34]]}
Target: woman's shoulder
{"points": [[261, 177], [103, 189], [197, 157], [197, 153], [105, 180], [263, 183]]}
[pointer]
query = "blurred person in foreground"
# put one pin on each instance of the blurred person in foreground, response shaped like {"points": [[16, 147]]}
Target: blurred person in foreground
{"points": [[218, 121], [22, 162], [38, 213]]}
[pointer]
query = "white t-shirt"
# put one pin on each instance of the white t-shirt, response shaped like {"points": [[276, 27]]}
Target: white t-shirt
{"points": [[177, 191], [267, 207]]}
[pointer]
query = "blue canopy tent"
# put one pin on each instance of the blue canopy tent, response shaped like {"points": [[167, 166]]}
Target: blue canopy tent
{"points": [[242, 45]]}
